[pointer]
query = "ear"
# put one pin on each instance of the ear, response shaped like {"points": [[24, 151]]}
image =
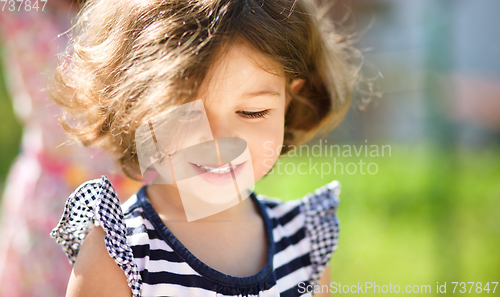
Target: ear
{"points": [[295, 87]]}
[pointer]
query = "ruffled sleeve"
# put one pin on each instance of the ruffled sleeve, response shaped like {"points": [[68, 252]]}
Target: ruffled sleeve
{"points": [[322, 226], [95, 203]]}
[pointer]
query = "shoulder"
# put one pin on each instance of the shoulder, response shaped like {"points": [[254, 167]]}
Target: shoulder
{"points": [[321, 203], [132, 207], [95, 273], [103, 255], [310, 224], [322, 226]]}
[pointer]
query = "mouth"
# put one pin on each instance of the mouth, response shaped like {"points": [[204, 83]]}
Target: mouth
{"points": [[218, 175], [217, 170]]}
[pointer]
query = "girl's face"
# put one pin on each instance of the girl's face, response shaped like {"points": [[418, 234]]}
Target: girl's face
{"points": [[243, 100]]}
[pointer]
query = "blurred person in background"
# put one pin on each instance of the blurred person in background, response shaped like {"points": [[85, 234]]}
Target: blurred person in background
{"points": [[45, 172]]}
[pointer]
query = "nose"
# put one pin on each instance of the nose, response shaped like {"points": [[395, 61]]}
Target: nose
{"points": [[229, 145], [221, 125]]}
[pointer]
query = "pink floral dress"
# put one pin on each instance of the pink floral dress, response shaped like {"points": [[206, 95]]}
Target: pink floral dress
{"points": [[45, 172]]}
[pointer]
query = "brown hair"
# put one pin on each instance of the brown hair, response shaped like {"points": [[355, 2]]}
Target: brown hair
{"points": [[128, 60]]}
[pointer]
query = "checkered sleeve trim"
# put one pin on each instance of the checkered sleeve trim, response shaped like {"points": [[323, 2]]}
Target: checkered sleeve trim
{"points": [[322, 226], [95, 203]]}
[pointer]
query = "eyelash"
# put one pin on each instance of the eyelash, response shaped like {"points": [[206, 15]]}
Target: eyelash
{"points": [[253, 114]]}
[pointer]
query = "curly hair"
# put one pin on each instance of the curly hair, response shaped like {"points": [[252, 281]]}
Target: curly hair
{"points": [[128, 60]]}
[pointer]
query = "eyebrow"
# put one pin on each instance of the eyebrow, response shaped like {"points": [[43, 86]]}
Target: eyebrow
{"points": [[261, 93]]}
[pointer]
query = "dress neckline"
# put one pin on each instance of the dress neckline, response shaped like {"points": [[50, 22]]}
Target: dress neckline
{"points": [[197, 264]]}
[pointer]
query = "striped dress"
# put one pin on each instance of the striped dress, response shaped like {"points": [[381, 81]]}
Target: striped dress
{"points": [[301, 235]]}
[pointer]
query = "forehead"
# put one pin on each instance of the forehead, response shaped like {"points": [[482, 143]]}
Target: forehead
{"points": [[238, 67]]}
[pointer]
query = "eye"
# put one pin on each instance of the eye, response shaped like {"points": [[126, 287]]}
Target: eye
{"points": [[253, 114]]}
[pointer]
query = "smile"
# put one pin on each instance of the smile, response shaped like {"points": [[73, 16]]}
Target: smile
{"points": [[217, 170]]}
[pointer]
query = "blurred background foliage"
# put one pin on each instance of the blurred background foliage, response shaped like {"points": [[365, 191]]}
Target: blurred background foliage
{"points": [[426, 216], [10, 130], [431, 213]]}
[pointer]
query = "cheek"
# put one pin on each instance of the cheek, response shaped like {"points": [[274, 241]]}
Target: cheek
{"points": [[265, 150]]}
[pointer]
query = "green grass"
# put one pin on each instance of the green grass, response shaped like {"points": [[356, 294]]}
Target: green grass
{"points": [[428, 215]]}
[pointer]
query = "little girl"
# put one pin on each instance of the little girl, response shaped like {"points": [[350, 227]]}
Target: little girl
{"points": [[253, 74]]}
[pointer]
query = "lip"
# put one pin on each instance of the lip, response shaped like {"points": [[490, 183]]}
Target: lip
{"points": [[214, 178], [214, 165]]}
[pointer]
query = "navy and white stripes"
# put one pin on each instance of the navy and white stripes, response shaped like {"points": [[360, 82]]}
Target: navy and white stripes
{"points": [[302, 236]]}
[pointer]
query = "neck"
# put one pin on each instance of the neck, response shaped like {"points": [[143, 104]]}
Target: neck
{"points": [[167, 202]]}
